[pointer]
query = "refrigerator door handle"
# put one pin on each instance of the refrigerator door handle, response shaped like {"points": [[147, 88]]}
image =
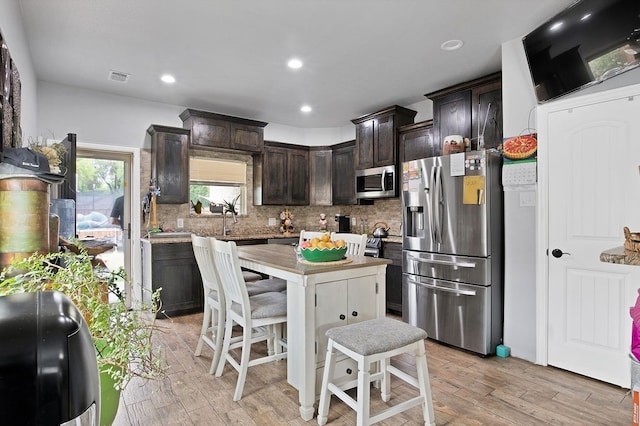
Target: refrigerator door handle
{"points": [[443, 262], [446, 289], [432, 207], [438, 204]]}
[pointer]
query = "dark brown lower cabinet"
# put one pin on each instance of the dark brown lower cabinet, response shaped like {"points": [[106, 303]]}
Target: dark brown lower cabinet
{"points": [[173, 267], [393, 251]]}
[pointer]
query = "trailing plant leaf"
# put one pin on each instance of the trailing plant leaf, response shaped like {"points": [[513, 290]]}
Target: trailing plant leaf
{"points": [[123, 337]]}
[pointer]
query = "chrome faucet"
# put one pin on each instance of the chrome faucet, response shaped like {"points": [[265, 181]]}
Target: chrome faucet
{"points": [[225, 230]]}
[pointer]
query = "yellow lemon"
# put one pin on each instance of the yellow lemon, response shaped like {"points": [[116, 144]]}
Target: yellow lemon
{"points": [[325, 238], [340, 243], [315, 241]]}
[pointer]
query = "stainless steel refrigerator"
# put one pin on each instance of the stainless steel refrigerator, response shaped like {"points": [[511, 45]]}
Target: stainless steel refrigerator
{"points": [[452, 282]]}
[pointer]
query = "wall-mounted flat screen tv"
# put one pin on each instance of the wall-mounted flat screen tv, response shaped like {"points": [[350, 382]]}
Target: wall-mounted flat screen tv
{"points": [[585, 44]]}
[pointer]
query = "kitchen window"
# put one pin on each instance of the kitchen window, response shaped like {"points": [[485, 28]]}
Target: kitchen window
{"points": [[217, 181]]}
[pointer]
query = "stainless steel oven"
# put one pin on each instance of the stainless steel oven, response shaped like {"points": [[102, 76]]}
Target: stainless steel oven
{"points": [[377, 182]]}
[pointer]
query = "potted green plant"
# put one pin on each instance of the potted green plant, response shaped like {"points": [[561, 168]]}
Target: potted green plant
{"points": [[123, 337]]}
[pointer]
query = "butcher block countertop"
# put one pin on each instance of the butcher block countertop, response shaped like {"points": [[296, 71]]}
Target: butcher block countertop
{"points": [[285, 259], [621, 256]]}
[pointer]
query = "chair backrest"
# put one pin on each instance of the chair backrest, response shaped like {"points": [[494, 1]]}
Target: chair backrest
{"points": [[225, 255], [308, 235], [204, 258], [356, 243]]}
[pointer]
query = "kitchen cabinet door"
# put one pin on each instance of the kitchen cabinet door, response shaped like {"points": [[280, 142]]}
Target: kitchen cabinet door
{"points": [[486, 101], [320, 177], [341, 303], [281, 175], [246, 137], [393, 251], [343, 177], [364, 145], [298, 184], [170, 163], [416, 141], [452, 116], [173, 267]]}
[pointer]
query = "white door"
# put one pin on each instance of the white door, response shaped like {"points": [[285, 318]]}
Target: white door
{"points": [[594, 191]]}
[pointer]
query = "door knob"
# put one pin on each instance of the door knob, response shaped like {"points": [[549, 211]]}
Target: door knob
{"points": [[557, 253]]}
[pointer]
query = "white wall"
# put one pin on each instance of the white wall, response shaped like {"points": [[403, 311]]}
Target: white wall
{"points": [[13, 33], [518, 109], [98, 117]]}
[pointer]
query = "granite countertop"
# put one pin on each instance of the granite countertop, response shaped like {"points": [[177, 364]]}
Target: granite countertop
{"points": [[182, 237], [620, 256]]}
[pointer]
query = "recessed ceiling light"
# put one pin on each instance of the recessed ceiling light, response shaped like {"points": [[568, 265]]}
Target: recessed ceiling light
{"points": [[294, 63], [168, 78], [451, 45], [305, 108]]}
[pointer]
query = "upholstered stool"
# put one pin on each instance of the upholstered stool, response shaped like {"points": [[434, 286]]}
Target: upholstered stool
{"points": [[371, 341], [251, 276]]}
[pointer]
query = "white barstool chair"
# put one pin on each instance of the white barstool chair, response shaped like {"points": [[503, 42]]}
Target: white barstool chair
{"points": [[356, 243], [371, 341], [213, 319], [267, 311]]}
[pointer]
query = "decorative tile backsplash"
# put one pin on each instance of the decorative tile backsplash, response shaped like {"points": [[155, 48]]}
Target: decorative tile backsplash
{"points": [[256, 221]]}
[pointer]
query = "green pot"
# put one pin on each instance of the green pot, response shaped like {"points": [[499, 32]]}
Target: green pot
{"points": [[109, 399]]}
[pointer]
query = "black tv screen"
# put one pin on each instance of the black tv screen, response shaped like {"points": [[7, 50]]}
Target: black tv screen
{"points": [[587, 43]]}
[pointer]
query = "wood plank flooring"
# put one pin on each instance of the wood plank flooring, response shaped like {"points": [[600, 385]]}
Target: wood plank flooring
{"points": [[467, 390]]}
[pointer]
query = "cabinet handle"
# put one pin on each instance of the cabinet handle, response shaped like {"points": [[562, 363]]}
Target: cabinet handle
{"points": [[342, 316], [354, 313]]}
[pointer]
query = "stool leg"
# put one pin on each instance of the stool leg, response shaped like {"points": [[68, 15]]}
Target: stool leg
{"points": [[385, 385], [206, 319], [425, 384], [327, 375], [364, 397], [219, 328]]}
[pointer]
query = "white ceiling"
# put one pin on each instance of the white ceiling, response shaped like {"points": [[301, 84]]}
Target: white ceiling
{"points": [[229, 56]]}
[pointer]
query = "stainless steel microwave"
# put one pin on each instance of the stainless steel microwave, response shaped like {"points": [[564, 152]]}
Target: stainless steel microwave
{"points": [[377, 182]]}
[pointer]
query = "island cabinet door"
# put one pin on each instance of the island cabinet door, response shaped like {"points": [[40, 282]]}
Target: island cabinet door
{"points": [[340, 303]]}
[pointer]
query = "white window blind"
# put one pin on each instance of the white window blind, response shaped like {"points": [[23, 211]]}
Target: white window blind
{"points": [[217, 171]]}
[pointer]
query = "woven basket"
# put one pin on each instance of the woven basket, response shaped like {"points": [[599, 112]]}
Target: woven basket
{"points": [[631, 240]]}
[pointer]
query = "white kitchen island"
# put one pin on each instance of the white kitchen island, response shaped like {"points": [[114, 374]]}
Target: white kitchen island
{"points": [[319, 296]]}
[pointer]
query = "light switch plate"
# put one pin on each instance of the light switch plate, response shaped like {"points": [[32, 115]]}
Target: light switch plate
{"points": [[180, 223], [272, 221], [354, 221]]}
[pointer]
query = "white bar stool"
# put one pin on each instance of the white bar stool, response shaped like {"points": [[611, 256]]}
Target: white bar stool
{"points": [[372, 341]]}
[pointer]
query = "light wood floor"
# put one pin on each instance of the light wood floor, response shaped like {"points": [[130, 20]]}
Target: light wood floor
{"points": [[467, 390]]}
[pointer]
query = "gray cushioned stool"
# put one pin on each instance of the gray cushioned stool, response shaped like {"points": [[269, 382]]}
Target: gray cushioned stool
{"points": [[376, 340]]}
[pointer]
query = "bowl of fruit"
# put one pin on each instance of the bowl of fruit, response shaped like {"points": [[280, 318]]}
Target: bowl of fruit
{"points": [[323, 249]]}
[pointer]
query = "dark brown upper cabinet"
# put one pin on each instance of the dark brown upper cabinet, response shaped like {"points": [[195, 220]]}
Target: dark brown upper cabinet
{"points": [[377, 137], [416, 141], [281, 175], [463, 109], [320, 176], [170, 163], [343, 177], [211, 130]]}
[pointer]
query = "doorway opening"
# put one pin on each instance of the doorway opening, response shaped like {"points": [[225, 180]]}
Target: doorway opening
{"points": [[103, 206]]}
